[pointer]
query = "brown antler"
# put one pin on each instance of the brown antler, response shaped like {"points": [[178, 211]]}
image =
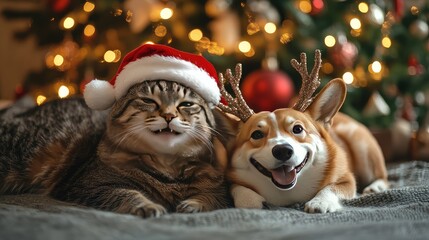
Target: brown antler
{"points": [[310, 83], [236, 106]]}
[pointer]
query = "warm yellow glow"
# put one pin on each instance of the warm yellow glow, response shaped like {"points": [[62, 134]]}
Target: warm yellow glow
{"points": [[216, 50], [148, 42], [252, 28], [160, 31], [89, 30], [376, 67], [166, 13], [305, 6], [244, 46], [40, 99], [327, 68], [363, 7], [348, 77], [63, 91], [195, 35], [88, 7], [386, 42], [118, 55], [414, 10], [356, 32], [355, 23], [68, 23], [270, 27], [58, 60], [330, 41], [109, 56], [250, 53], [286, 37]]}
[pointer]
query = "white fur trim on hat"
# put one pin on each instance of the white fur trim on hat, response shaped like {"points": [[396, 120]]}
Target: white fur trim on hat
{"points": [[168, 68], [99, 94]]}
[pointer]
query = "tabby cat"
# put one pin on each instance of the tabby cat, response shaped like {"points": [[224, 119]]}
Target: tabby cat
{"points": [[153, 155]]}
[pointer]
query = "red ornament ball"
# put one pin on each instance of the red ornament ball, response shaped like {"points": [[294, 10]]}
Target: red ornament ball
{"points": [[58, 6], [266, 90], [344, 55]]}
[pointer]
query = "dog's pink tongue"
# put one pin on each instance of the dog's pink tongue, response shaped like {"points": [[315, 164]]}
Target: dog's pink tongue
{"points": [[282, 176]]}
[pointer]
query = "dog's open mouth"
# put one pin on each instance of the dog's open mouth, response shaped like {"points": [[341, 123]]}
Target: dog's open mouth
{"points": [[283, 177], [166, 130]]}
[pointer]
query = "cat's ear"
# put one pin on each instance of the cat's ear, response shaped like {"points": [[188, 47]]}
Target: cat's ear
{"points": [[227, 127]]}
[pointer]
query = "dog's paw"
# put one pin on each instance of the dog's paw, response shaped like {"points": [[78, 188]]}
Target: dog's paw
{"points": [[378, 185], [147, 210], [190, 206], [246, 198], [322, 205]]}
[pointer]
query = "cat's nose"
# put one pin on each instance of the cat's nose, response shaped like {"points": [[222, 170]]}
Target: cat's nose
{"points": [[168, 116]]}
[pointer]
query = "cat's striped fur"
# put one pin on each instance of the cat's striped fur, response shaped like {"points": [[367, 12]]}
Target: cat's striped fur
{"points": [[150, 154]]}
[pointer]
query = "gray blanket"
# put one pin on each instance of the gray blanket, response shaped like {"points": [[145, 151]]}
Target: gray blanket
{"points": [[400, 213]]}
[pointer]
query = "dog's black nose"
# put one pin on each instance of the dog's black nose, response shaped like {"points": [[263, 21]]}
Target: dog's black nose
{"points": [[282, 152]]}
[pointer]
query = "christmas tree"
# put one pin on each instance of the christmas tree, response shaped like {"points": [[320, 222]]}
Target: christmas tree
{"points": [[379, 47]]}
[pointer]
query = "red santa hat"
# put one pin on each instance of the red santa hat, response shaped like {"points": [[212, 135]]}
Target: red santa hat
{"points": [[154, 62]]}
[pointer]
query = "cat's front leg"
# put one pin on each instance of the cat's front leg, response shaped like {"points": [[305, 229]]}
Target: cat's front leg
{"points": [[190, 206], [134, 202]]}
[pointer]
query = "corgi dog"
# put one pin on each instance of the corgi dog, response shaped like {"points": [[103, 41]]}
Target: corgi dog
{"points": [[317, 156]]}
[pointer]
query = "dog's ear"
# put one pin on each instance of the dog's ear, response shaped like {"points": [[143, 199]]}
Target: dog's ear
{"points": [[328, 102], [227, 127]]}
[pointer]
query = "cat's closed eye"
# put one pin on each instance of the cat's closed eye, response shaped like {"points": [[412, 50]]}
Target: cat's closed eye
{"points": [[149, 101]]}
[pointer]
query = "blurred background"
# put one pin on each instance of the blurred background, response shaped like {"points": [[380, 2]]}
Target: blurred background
{"points": [[50, 49]]}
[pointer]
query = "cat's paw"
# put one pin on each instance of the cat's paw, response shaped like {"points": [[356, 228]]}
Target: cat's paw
{"points": [[190, 206], [148, 210], [322, 205]]}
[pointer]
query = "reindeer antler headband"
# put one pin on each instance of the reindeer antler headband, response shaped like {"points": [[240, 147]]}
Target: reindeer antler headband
{"points": [[238, 106]]}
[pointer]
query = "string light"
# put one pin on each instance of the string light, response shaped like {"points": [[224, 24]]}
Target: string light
{"points": [[348, 77], [355, 23], [160, 31], [68, 23], [244, 46], [363, 7], [286, 37], [109, 56], [305, 6], [270, 28], [40, 99], [376, 67], [195, 35], [89, 30], [414, 10], [386, 42], [58, 60], [166, 13], [330, 41], [88, 7], [63, 91]]}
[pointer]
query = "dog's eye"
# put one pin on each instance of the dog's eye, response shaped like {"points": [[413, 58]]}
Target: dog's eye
{"points": [[297, 129], [258, 134]]}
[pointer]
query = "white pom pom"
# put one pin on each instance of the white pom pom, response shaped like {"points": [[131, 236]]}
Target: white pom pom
{"points": [[99, 94]]}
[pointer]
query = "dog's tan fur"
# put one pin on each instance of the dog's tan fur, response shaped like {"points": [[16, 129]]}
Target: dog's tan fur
{"points": [[340, 151]]}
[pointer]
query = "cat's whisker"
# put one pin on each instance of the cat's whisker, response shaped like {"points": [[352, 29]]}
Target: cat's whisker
{"points": [[203, 138]]}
